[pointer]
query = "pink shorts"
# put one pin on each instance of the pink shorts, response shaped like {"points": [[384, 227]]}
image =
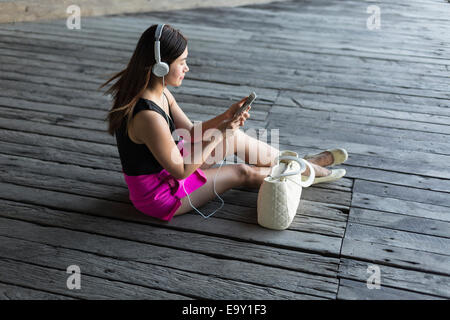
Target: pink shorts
{"points": [[159, 194]]}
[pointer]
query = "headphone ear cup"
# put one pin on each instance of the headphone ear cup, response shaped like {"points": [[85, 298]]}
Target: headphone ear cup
{"points": [[160, 69]]}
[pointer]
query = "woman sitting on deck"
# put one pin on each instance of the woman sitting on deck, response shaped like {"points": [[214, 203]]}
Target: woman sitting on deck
{"points": [[155, 166]]}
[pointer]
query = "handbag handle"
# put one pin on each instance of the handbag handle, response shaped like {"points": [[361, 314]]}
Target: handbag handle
{"points": [[312, 175], [292, 173], [303, 163]]}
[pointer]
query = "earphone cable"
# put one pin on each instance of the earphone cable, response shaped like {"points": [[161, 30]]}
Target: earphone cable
{"points": [[214, 183]]}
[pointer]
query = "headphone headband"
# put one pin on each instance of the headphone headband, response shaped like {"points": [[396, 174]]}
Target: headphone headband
{"points": [[160, 69], [158, 31]]}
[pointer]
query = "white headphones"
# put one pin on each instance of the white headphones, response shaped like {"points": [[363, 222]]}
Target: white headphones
{"points": [[159, 69]]}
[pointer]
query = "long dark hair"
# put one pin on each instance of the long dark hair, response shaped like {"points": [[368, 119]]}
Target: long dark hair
{"points": [[134, 79]]}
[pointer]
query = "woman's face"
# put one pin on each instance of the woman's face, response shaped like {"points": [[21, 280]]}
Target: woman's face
{"points": [[177, 70]]}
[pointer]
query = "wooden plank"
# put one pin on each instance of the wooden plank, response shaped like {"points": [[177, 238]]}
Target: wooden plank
{"points": [[54, 149], [306, 111], [57, 155], [352, 118], [89, 66], [331, 8], [328, 90], [54, 281], [390, 165], [247, 77], [370, 174], [188, 103], [341, 81], [30, 139], [341, 130], [248, 232], [348, 96], [405, 179], [140, 275], [375, 121], [243, 198], [356, 290], [309, 133], [47, 121], [134, 26], [396, 238], [250, 25], [15, 11], [372, 112], [311, 216], [362, 155], [12, 292], [403, 193], [373, 101], [106, 178], [305, 221], [99, 124], [386, 254], [83, 98], [161, 236], [403, 222], [140, 258], [102, 188], [226, 78], [62, 170], [62, 131], [412, 208], [83, 66], [14, 61], [291, 16], [22, 104], [322, 86], [415, 281], [205, 30]]}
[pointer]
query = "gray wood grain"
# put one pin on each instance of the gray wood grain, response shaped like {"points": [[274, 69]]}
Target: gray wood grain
{"points": [[386, 254], [305, 221], [397, 238], [147, 263], [412, 208], [54, 281], [13, 292], [140, 275], [356, 290], [419, 282], [402, 193], [221, 247], [403, 222], [105, 208]]}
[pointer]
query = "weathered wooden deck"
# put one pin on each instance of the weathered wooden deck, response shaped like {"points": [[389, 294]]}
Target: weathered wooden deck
{"points": [[322, 78]]}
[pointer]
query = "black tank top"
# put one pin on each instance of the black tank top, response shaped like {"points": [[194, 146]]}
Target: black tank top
{"points": [[136, 158]]}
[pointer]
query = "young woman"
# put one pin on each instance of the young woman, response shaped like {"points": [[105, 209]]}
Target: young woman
{"points": [[144, 117]]}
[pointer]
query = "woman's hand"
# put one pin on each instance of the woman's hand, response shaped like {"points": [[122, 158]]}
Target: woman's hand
{"points": [[233, 121], [229, 114]]}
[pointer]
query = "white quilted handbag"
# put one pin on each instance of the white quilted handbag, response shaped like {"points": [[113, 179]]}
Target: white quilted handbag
{"points": [[280, 192]]}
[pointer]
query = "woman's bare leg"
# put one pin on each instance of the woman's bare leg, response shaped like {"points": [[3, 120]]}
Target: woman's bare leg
{"points": [[243, 145], [254, 151], [229, 176], [266, 154], [235, 175], [247, 148]]}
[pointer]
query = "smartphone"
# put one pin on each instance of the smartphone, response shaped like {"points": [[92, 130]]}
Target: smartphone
{"points": [[247, 102]]}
